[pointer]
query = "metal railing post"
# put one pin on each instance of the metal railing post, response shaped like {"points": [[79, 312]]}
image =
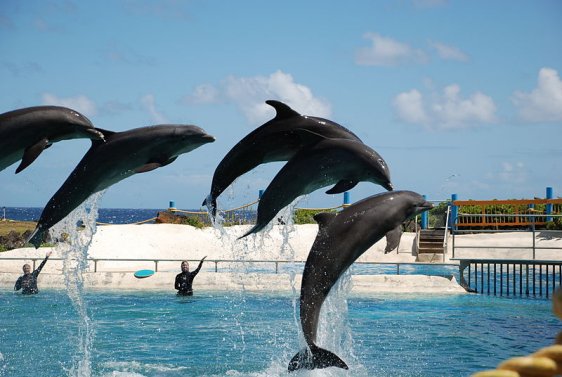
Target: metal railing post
{"points": [[534, 241]]}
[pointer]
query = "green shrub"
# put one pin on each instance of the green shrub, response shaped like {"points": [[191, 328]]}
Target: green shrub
{"points": [[437, 215], [556, 224], [194, 221], [306, 216]]}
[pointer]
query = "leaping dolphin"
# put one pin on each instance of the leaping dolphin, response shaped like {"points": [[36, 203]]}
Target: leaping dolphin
{"points": [[342, 238], [123, 154], [26, 132], [277, 140], [342, 161]]}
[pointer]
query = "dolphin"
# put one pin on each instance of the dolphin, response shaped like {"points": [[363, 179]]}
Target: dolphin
{"points": [[26, 132], [277, 140], [123, 154], [342, 238], [342, 161]]}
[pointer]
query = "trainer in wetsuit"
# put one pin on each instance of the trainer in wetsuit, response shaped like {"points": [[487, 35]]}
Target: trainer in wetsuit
{"points": [[184, 280], [28, 281]]}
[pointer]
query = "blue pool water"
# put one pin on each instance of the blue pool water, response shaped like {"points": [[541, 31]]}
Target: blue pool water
{"points": [[138, 334]]}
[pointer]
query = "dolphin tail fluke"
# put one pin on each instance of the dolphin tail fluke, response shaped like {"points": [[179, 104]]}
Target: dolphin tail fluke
{"points": [[36, 238], [211, 203], [315, 358], [256, 228]]}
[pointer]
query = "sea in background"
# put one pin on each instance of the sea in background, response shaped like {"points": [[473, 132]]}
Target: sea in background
{"points": [[105, 215]]}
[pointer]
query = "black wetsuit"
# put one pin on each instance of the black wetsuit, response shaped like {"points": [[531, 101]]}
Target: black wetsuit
{"points": [[28, 282], [184, 280]]}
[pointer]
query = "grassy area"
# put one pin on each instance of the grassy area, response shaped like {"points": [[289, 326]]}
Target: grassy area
{"points": [[18, 226]]}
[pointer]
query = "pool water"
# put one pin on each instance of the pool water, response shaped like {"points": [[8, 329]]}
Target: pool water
{"points": [[243, 334]]}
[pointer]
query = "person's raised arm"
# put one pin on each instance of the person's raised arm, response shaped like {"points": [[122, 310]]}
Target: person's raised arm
{"points": [[38, 270], [200, 264]]}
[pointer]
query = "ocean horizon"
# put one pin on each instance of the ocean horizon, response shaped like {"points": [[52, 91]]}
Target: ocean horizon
{"points": [[105, 215]]}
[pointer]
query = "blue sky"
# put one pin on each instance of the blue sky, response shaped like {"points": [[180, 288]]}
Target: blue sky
{"points": [[458, 97]]}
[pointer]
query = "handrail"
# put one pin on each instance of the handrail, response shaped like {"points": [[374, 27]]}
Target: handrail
{"points": [[532, 231], [445, 238], [217, 261], [520, 210], [506, 201]]}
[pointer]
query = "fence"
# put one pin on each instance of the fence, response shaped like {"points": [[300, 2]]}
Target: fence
{"points": [[524, 278], [275, 265]]}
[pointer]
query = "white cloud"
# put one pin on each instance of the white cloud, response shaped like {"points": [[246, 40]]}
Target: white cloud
{"points": [[149, 104], [204, 93], [445, 111], [79, 103], [411, 108], [544, 103], [447, 52], [385, 51], [250, 93]]}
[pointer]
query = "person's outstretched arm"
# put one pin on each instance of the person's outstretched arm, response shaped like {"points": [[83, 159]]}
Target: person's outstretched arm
{"points": [[38, 270], [199, 267]]}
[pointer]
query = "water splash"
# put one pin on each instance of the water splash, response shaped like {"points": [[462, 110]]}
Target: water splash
{"points": [[334, 332], [73, 248]]}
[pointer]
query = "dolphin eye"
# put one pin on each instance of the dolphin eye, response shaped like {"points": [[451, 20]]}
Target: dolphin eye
{"points": [[382, 163]]}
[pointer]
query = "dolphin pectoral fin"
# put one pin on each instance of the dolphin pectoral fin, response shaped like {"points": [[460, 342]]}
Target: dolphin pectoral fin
{"points": [[316, 358], [32, 152], [342, 186], [148, 167], [393, 239]]}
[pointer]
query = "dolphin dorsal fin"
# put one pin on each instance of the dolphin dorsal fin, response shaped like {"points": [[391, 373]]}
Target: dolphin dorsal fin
{"points": [[283, 110], [324, 218]]}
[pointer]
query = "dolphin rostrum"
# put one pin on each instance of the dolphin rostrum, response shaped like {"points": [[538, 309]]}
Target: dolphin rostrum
{"points": [[123, 154], [342, 238], [26, 132], [342, 161], [277, 140]]}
